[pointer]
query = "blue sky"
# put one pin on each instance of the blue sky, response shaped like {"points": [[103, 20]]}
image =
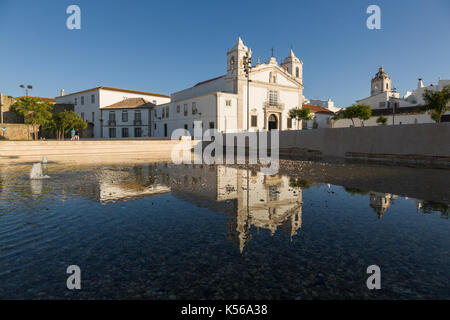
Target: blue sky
{"points": [[166, 46]]}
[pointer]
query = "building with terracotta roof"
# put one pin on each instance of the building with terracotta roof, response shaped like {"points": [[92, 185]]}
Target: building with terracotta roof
{"points": [[322, 117], [114, 112], [8, 116], [127, 118], [328, 104]]}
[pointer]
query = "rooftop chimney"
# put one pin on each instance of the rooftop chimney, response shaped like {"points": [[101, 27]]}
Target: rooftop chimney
{"points": [[420, 84], [62, 92]]}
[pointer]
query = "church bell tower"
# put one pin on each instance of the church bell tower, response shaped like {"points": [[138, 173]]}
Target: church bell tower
{"points": [[235, 58], [294, 66], [380, 83]]}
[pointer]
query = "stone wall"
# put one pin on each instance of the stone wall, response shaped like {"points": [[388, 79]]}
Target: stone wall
{"points": [[17, 131], [414, 143], [6, 115]]}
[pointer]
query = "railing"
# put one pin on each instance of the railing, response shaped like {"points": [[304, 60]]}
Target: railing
{"points": [[137, 122], [112, 123]]}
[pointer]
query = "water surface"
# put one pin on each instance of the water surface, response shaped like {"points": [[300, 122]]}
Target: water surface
{"points": [[160, 231]]}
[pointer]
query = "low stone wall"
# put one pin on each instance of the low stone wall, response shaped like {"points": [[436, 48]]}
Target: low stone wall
{"points": [[18, 151], [17, 131], [415, 143]]}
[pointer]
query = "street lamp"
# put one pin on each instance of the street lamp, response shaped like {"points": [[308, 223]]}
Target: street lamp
{"points": [[26, 88], [247, 66]]}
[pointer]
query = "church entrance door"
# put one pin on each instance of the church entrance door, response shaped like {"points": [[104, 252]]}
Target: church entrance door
{"points": [[273, 122]]}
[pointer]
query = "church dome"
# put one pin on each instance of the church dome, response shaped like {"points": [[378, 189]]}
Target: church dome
{"points": [[381, 74]]}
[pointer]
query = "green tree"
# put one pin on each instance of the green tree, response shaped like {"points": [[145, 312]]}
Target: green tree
{"points": [[299, 183], [301, 114], [382, 120], [64, 121], [34, 111], [356, 191], [437, 102], [361, 111], [432, 206]]}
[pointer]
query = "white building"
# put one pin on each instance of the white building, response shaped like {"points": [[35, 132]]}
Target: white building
{"points": [[327, 104], [322, 117], [89, 104], [221, 102], [386, 101], [127, 118]]}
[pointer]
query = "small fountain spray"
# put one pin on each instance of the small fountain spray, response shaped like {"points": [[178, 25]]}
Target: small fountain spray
{"points": [[37, 172]]}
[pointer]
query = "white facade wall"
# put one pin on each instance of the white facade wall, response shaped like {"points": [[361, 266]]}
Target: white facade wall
{"points": [[89, 111], [206, 106], [416, 96], [227, 112], [130, 124], [399, 119]]}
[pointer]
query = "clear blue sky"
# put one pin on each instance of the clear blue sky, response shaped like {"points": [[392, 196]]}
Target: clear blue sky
{"points": [[166, 46]]}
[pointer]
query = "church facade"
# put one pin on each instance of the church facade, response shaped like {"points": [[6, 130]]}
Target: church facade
{"points": [[229, 103]]}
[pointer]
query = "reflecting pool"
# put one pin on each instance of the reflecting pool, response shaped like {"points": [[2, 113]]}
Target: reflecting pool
{"points": [[161, 231]]}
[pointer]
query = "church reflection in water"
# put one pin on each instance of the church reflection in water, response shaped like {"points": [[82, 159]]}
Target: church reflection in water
{"points": [[247, 198]]}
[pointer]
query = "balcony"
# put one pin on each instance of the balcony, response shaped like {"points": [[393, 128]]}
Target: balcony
{"points": [[112, 123], [137, 122], [273, 106]]}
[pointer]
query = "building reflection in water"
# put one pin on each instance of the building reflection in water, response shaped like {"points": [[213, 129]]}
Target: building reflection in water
{"points": [[249, 199], [380, 202], [262, 201]]}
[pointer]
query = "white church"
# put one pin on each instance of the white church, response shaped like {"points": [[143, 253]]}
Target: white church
{"points": [[386, 101], [222, 102]]}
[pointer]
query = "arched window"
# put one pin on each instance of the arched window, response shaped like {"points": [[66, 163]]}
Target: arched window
{"points": [[270, 77], [232, 62], [297, 72], [387, 85]]}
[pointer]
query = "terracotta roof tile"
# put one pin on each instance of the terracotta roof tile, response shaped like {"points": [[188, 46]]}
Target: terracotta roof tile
{"points": [[317, 109], [131, 103]]}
